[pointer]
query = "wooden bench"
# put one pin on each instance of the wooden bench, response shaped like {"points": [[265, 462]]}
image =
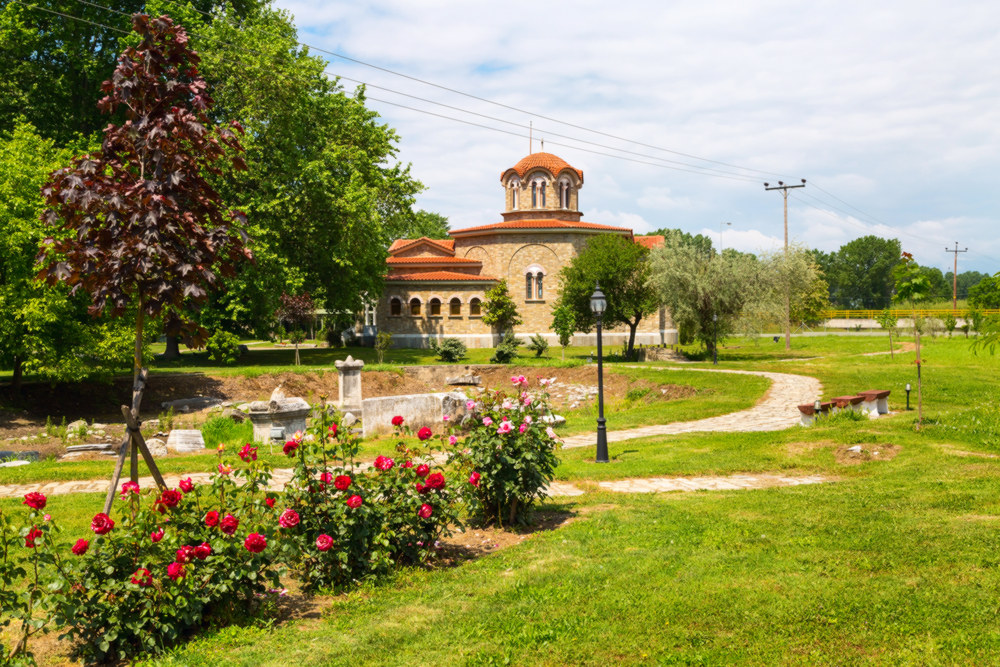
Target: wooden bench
{"points": [[876, 401], [848, 403], [808, 414]]}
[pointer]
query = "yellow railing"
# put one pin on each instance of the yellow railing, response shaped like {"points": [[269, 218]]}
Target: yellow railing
{"points": [[898, 312]]}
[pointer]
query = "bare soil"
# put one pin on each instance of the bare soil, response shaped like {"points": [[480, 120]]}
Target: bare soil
{"points": [[882, 451]]}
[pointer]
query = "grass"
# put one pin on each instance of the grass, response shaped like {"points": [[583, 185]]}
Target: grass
{"points": [[895, 562]]}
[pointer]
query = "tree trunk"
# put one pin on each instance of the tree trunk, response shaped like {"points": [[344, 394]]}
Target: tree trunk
{"points": [[920, 387], [137, 359], [892, 353], [173, 350], [296, 353], [15, 380], [632, 326]]}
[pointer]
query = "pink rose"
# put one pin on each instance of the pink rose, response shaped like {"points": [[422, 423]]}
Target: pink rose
{"points": [[288, 519], [487, 421], [186, 485], [527, 419], [35, 500], [527, 401], [474, 479], [504, 428], [324, 542], [425, 511], [102, 524], [175, 571], [549, 432], [248, 453], [354, 502], [80, 547], [332, 430], [255, 543], [506, 405], [384, 463], [470, 405], [452, 440], [424, 433], [224, 469], [229, 524], [522, 428], [156, 535], [128, 488]]}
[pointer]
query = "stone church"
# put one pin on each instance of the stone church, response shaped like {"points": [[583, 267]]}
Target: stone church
{"points": [[435, 288]]}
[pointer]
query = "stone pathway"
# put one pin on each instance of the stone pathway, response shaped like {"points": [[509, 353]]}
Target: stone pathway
{"points": [[776, 411]]}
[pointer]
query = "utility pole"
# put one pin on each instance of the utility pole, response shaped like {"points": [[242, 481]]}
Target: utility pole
{"points": [[954, 278], [788, 317], [721, 246]]}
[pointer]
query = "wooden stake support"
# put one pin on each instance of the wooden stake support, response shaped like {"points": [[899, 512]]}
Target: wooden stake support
{"points": [[133, 444]]}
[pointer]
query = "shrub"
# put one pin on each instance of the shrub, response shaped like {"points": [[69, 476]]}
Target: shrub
{"points": [[449, 350], [950, 322], [382, 342], [223, 347], [334, 337], [538, 345], [223, 430], [506, 351], [509, 454]]}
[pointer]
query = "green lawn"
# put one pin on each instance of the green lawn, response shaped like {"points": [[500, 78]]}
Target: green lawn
{"points": [[893, 562]]}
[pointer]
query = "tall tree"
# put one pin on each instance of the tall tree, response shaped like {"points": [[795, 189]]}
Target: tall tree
{"points": [[499, 309], [677, 237], [986, 293], [622, 268], [913, 285], [421, 223], [860, 272], [137, 225]]}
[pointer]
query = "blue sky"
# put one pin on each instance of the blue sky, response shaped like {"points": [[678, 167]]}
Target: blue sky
{"points": [[890, 110]]}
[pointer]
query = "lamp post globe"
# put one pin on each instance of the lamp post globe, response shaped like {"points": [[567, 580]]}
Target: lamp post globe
{"points": [[598, 304]]}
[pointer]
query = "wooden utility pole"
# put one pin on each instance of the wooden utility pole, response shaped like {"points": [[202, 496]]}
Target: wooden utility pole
{"points": [[954, 278], [788, 316]]}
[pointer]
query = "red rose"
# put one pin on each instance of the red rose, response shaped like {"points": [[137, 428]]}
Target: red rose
{"points": [[186, 485], [185, 554], [324, 542], [129, 488], [423, 470], [425, 511], [229, 524], [212, 519], [435, 481], [255, 543], [325, 479], [384, 463], [170, 498], [288, 519], [35, 500], [203, 551], [342, 482], [144, 577], [474, 479], [102, 524], [175, 571], [333, 430], [248, 453], [397, 420], [33, 534], [354, 502], [156, 535], [269, 502], [406, 464], [422, 488], [424, 433], [290, 447], [81, 547]]}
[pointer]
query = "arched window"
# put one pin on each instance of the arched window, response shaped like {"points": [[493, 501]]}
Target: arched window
{"points": [[395, 306], [538, 284], [564, 194], [528, 292], [456, 307], [514, 194], [534, 195], [435, 307], [415, 307], [474, 309]]}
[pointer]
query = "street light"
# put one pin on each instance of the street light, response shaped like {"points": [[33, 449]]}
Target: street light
{"points": [[715, 339], [597, 306], [908, 388]]}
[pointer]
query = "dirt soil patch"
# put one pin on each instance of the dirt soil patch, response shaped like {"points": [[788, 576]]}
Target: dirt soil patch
{"points": [[852, 455]]}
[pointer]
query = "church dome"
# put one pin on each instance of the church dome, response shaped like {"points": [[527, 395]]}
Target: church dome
{"points": [[552, 163]]}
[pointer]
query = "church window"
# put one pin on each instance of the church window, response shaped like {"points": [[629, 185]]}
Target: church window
{"points": [[415, 307], [528, 292], [538, 284], [514, 192], [395, 306], [474, 309], [435, 307], [534, 195], [456, 307], [564, 194]]}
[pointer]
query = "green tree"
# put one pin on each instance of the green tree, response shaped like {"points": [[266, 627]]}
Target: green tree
{"points": [[499, 309], [421, 223], [966, 280], [860, 272], [986, 294], [622, 268], [888, 321], [677, 237], [564, 324], [913, 285]]}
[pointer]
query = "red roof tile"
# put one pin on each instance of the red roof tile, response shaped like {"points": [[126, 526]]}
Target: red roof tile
{"points": [[649, 241], [540, 224], [553, 163], [433, 260], [447, 245], [439, 275]]}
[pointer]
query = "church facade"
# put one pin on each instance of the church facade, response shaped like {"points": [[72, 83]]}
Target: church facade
{"points": [[436, 288]]}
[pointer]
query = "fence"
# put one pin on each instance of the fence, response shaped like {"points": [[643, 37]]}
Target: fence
{"points": [[899, 312]]}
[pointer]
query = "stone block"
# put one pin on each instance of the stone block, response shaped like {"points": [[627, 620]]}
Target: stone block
{"points": [[417, 411], [350, 384], [288, 414], [186, 440]]}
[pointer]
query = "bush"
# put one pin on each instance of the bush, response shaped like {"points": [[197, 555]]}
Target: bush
{"points": [[509, 453], [449, 350], [506, 351], [383, 340], [334, 337], [223, 430], [223, 347], [538, 345]]}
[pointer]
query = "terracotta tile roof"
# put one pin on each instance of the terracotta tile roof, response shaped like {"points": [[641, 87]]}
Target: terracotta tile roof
{"points": [[448, 245], [540, 224], [440, 275], [464, 261], [553, 163], [649, 241]]}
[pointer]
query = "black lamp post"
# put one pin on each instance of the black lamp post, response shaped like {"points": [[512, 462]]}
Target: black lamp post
{"points": [[908, 388], [715, 339], [597, 305]]}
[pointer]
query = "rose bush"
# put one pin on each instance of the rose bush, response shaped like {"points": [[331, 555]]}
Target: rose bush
{"points": [[509, 454]]}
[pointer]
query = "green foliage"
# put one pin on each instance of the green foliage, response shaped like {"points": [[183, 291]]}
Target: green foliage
{"points": [[621, 267], [499, 309], [421, 224], [506, 351], [223, 347], [912, 284], [538, 345], [513, 452], [887, 320], [449, 350], [564, 324], [950, 322], [986, 294], [383, 341], [225, 431], [698, 242], [860, 273]]}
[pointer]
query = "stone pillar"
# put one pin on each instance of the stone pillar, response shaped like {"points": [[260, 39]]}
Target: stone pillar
{"points": [[350, 384]]}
